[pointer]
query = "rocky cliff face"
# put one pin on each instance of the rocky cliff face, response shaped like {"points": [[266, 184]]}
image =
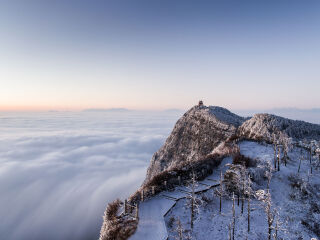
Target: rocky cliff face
{"points": [[263, 126], [196, 134]]}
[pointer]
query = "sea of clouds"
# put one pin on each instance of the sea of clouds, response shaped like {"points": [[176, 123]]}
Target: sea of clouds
{"points": [[58, 170]]}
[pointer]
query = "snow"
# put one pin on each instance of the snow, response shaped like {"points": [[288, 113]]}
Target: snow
{"points": [[209, 224], [151, 223], [152, 211], [225, 115]]}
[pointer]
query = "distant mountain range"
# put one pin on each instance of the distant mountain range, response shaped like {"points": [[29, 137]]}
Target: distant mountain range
{"points": [[169, 110], [107, 110]]}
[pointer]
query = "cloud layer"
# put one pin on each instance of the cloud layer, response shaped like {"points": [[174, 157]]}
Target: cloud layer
{"points": [[59, 170]]}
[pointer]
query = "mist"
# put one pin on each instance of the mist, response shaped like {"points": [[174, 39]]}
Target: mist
{"points": [[58, 170]]}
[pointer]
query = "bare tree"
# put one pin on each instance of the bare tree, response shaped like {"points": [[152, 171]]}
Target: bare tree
{"points": [[310, 153], [220, 192], [194, 202], [318, 160], [265, 197], [192, 199], [249, 210], [268, 174], [275, 151], [286, 142], [270, 213], [245, 186], [230, 233], [233, 216], [309, 175], [242, 196], [180, 233], [179, 230], [300, 159], [279, 157], [248, 192], [278, 227]]}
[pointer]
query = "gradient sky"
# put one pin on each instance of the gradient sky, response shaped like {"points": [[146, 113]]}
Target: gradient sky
{"points": [[159, 54]]}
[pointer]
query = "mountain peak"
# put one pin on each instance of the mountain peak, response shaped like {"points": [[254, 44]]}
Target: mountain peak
{"points": [[195, 135]]}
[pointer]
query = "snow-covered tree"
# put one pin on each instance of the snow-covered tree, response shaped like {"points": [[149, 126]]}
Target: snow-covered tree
{"points": [[286, 143], [275, 149], [220, 192], [179, 230], [300, 160], [248, 193], [193, 201], [279, 157], [268, 174], [265, 198], [233, 216], [233, 178]]}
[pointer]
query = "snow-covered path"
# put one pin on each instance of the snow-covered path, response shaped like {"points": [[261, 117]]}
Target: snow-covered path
{"points": [[151, 223], [151, 212]]}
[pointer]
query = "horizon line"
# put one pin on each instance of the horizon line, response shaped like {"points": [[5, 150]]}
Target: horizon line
{"points": [[80, 109]]}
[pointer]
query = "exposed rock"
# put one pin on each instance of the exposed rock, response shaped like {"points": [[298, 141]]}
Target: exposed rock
{"points": [[262, 127], [196, 134]]}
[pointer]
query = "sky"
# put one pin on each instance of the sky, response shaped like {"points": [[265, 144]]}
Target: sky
{"points": [[159, 54]]}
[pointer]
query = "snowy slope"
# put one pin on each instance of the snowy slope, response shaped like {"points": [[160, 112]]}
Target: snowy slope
{"points": [[297, 209]]}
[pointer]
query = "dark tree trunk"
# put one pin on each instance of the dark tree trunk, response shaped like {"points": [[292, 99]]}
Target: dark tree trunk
{"points": [[249, 214], [191, 222], [269, 232]]}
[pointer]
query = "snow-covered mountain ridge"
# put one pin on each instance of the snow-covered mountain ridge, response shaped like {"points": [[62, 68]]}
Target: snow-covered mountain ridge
{"points": [[263, 126], [202, 129]]}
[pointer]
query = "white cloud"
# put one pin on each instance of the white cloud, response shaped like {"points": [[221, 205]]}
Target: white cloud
{"points": [[57, 177]]}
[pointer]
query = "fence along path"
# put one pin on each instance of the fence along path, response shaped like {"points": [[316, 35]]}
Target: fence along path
{"points": [[152, 211]]}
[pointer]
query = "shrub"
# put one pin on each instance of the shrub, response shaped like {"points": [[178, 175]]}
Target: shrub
{"points": [[116, 227], [112, 209], [171, 222], [232, 178], [243, 160], [233, 137]]}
